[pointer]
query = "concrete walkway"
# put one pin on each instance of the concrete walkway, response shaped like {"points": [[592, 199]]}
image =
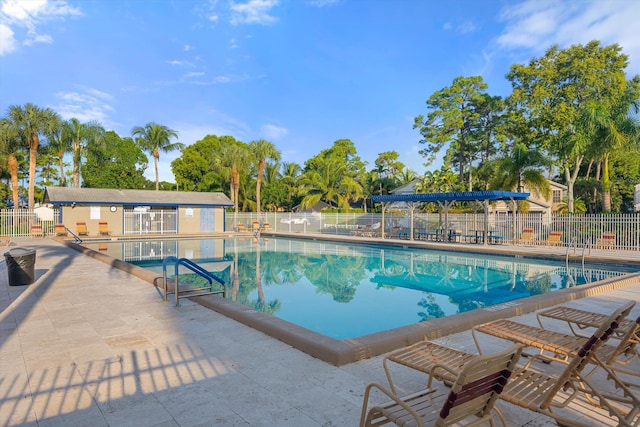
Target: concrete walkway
{"points": [[90, 345]]}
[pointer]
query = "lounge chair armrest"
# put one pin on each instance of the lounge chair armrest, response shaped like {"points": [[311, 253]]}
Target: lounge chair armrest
{"points": [[391, 396]]}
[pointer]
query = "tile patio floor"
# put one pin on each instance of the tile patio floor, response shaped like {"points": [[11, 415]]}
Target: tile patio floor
{"points": [[90, 345]]}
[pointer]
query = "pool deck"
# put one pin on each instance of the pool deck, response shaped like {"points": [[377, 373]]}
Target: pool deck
{"points": [[88, 344]]}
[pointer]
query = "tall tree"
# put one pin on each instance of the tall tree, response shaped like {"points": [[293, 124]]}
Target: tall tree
{"points": [[262, 151], [10, 147], [120, 163], [329, 182], [81, 135], [59, 144], [452, 121], [614, 127], [155, 138], [522, 167], [234, 155], [552, 92], [31, 122]]}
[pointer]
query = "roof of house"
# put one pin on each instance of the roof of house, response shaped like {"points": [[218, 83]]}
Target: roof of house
{"points": [[108, 196]]}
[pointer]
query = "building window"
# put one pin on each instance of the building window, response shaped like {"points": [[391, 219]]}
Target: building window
{"points": [[557, 196]]}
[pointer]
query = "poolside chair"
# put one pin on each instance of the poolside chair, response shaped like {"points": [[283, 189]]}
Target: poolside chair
{"points": [[81, 228], [361, 231], [554, 239], [60, 230], [36, 230], [607, 241], [103, 228], [240, 228], [579, 320], [5, 241], [394, 233], [541, 391], [471, 400], [266, 226], [526, 238]]}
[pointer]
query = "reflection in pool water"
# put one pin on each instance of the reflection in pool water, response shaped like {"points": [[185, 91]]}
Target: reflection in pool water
{"points": [[349, 290]]}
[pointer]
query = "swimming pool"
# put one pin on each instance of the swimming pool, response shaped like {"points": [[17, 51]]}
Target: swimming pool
{"points": [[347, 290]]}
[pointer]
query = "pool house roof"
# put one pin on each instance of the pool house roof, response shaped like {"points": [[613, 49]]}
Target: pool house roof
{"points": [[108, 196]]}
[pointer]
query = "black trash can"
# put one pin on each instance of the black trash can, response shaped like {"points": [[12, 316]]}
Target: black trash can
{"points": [[21, 266]]}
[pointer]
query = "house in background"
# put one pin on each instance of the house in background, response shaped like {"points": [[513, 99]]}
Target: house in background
{"points": [[636, 198], [139, 212]]}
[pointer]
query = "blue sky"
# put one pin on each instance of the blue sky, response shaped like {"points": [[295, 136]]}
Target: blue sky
{"points": [[298, 73]]}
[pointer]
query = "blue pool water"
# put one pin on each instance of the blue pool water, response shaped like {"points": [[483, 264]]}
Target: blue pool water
{"points": [[349, 290]]}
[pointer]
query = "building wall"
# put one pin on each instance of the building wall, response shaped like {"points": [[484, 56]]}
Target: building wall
{"points": [[190, 220], [71, 215]]}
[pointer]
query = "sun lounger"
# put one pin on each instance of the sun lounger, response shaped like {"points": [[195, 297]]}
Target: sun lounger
{"points": [[580, 320], [607, 241], [554, 239], [60, 230], [103, 228], [540, 390], [81, 228], [5, 241], [472, 396], [36, 230], [526, 238]]}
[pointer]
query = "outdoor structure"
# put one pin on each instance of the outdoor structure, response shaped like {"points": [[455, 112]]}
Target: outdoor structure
{"points": [[636, 198], [445, 200], [538, 204], [138, 212]]}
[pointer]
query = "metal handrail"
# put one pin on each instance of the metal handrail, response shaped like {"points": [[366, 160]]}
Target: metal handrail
{"points": [[196, 269], [75, 237]]}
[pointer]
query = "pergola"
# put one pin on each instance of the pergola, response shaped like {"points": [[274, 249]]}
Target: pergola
{"points": [[445, 200]]}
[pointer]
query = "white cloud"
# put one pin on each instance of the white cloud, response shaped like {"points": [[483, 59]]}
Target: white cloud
{"points": [[194, 74], [85, 105], [273, 132], [187, 48], [536, 25], [32, 15], [253, 12], [7, 40]]}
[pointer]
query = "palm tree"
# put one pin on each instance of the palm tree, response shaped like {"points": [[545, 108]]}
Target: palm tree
{"points": [[10, 145], [31, 121], [290, 174], [522, 169], [262, 150], [81, 134], [154, 138], [613, 128], [60, 144], [329, 182], [234, 156]]}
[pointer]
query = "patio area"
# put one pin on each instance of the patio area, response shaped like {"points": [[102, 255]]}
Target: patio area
{"points": [[91, 345]]}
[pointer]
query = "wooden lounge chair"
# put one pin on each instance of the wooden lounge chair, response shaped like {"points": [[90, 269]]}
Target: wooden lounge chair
{"points": [[60, 230], [395, 232], [361, 231], [266, 226], [607, 241], [240, 228], [5, 241], [36, 230], [471, 399], [81, 228], [103, 228], [526, 238], [554, 239]]}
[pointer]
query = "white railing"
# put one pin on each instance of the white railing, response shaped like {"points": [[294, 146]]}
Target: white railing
{"points": [[583, 230], [150, 222], [18, 222]]}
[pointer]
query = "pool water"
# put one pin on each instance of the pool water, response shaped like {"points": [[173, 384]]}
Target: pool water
{"points": [[349, 290]]}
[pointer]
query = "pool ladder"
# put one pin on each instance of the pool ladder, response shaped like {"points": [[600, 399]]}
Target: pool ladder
{"points": [[208, 290], [574, 244]]}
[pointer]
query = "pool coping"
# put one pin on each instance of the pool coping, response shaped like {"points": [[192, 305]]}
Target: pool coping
{"points": [[342, 352]]}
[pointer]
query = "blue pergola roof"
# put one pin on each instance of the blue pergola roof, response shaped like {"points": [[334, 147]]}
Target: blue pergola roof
{"points": [[456, 196]]}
